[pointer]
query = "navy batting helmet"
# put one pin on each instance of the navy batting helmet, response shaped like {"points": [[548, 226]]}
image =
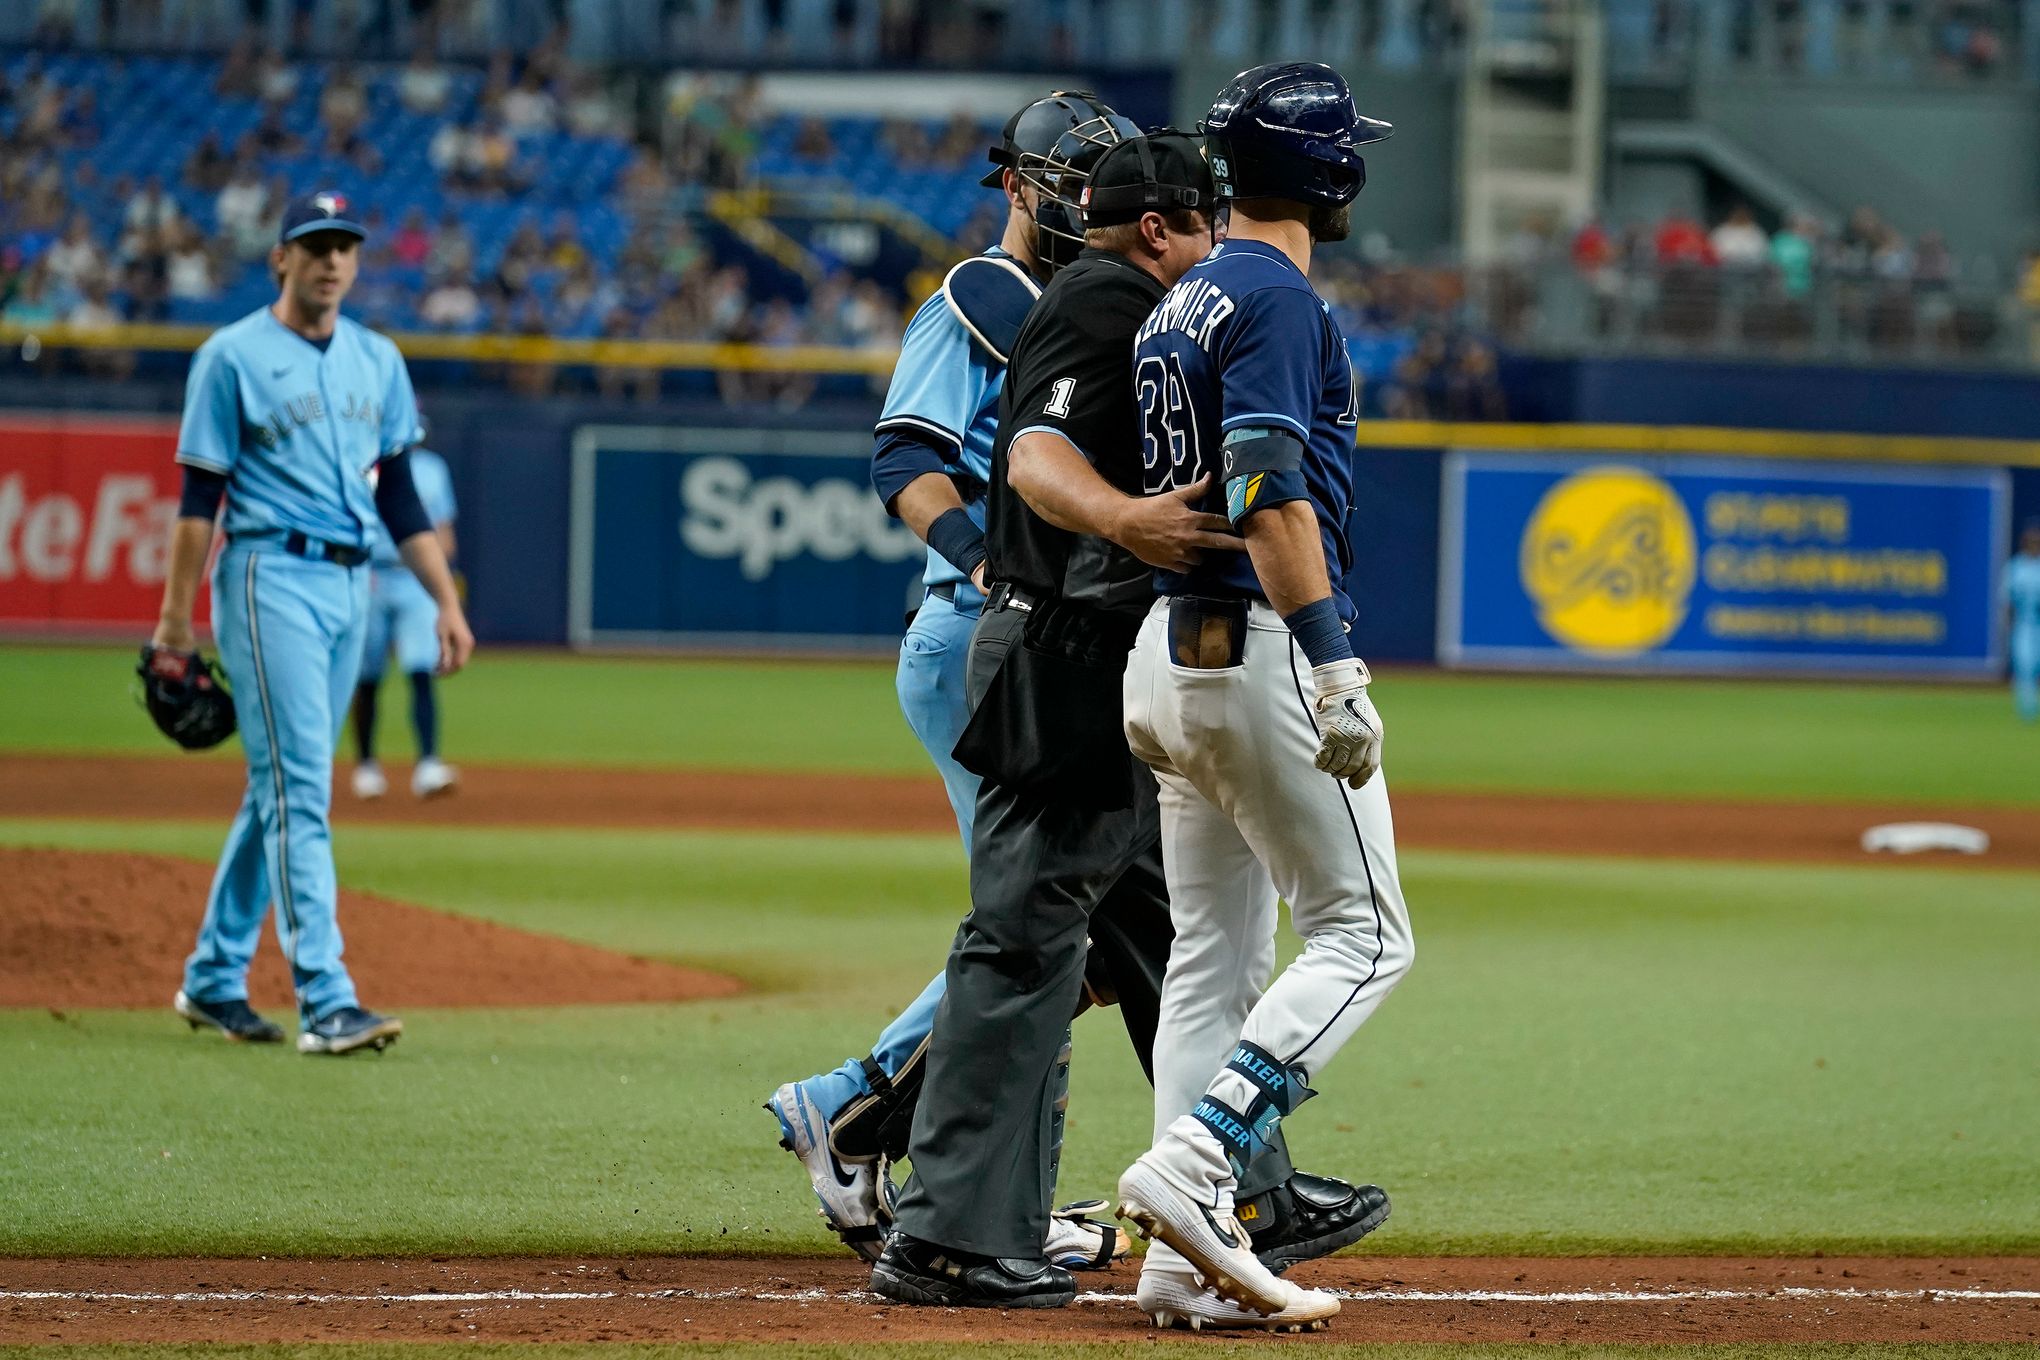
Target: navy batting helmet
{"points": [[1288, 130], [1052, 145]]}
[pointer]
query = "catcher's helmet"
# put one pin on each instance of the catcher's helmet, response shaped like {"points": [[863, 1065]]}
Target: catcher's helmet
{"points": [[1052, 145], [1288, 130]]}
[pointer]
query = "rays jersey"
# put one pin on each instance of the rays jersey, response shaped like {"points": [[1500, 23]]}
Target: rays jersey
{"points": [[1244, 342]]}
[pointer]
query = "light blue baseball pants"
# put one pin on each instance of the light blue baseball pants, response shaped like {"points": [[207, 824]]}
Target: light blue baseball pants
{"points": [[400, 614], [290, 634], [2026, 671]]}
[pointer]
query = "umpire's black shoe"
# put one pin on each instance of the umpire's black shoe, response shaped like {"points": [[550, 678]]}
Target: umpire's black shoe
{"points": [[1310, 1216], [235, 1019], [913, 1271]]}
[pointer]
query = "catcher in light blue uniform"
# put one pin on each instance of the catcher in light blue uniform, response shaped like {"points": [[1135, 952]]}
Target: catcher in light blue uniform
{"points": [[301, 421], [403, 616], [2022, 597], [930, 465]]}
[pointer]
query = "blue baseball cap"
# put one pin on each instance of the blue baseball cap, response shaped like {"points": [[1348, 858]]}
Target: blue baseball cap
{"points": [[326, 210]]}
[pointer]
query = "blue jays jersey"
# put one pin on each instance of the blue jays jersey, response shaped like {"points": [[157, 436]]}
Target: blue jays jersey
{"points": [[1244, 342], [947, 385], [2022, 591], [296, 429], [435, 492]]}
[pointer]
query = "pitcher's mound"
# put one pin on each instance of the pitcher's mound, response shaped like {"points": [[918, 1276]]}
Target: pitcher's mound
{"points": [[79, 929]]}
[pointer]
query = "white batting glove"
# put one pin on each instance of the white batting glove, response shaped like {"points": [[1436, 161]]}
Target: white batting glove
{"points": [[1349, 730]]}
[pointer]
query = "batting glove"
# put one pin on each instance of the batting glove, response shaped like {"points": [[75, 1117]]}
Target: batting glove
{"points": [[1349, 730]]}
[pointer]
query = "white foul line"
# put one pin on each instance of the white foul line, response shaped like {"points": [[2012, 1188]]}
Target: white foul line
{"points": [[1799, 1292]]}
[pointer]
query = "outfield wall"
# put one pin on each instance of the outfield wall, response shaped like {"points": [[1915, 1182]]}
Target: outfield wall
{"points": [[693, 525]]}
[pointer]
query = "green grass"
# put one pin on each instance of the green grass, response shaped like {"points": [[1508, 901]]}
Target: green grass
{"points": [[1635, 737], [1591, 1056], [932, 1350]]}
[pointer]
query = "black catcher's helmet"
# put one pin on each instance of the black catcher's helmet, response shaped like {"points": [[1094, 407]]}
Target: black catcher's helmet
{"points": [[1052, 144], [1288, 130]]}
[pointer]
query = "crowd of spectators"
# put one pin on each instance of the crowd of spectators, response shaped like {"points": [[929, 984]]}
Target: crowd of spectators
{"points": [[79, 251], [1862, 284], [1909, 40]]}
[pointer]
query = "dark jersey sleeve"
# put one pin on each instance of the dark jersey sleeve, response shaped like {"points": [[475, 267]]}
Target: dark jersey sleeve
{"points": [[1272, 365], [1076, 379]]}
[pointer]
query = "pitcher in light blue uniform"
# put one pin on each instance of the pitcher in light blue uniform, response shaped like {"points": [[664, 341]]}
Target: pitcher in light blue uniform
{"points": [[2022, 596], [300, 419], [402, 616]]}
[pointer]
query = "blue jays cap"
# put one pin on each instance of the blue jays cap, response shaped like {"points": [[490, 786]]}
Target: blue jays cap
{"points": [[326, 210]]}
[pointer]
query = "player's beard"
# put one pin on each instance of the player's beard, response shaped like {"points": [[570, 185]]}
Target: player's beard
{"points": [[1328, 223]]}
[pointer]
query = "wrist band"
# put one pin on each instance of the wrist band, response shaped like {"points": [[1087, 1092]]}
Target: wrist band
{"points": [[1319, 632], [957, 540]]}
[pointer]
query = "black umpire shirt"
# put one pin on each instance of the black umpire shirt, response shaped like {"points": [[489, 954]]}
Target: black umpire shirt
{"points": [[1071, 373]]}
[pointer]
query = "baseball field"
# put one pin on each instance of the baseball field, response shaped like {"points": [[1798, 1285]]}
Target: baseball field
{"points": [[1678, 1062]]}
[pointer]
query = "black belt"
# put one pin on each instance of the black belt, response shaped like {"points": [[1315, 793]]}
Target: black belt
{"points": [[1005, 595], [315, 549], [1207, 634]]}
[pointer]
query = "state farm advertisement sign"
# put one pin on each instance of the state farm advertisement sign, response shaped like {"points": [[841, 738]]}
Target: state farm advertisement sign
{"points": [[86, 505]]}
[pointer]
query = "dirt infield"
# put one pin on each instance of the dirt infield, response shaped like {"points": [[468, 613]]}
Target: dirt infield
{"points": [[667, 1299], [154, 787], [79, 929]]}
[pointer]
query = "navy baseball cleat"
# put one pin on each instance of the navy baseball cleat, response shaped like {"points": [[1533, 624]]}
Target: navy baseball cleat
{"points": [[348, 1028], [913, 1271], [1309, 1216], [233, 1019]]}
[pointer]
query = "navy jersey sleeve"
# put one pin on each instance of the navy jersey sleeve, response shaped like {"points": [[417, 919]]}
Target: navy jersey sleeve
{"points": [[1271, 368]]}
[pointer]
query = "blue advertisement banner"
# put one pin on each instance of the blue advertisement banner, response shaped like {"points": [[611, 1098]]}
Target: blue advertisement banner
{"points": [[734, 538], [1654, 562]]}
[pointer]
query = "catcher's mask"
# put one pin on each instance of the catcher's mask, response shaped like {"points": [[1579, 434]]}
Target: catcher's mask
{"points": [[1052, 145]]}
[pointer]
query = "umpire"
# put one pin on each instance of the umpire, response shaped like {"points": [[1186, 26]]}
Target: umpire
{"points": [[1067, 839]]}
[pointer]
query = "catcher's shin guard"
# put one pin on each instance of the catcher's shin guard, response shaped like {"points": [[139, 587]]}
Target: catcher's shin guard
{"points": [[879, 1124]]}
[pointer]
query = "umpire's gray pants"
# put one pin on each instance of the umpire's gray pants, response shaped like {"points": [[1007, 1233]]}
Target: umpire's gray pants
{"points": [[983, 1180]]}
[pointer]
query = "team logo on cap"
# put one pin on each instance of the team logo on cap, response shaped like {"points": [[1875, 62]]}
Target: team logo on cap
{"points": [[330, 203]]}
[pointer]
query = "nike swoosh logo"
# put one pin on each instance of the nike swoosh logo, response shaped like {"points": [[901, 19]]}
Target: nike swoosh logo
{"points": [[1231, 1241], [837, 1167], [279, 372]]}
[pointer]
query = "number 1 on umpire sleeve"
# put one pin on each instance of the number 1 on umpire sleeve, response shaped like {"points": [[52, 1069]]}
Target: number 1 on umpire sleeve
{"points": [[1059, 397]]}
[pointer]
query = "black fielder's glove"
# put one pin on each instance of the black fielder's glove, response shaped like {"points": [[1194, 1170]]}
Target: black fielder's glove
{"points": [[185, 697]]}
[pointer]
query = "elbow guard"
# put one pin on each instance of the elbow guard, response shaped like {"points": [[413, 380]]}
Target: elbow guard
{"points": [[1262, 467]]}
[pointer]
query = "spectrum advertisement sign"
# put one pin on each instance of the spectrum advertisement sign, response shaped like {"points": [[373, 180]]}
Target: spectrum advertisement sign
{"points": [[1656, 562], [86, 505], [744, 538]]}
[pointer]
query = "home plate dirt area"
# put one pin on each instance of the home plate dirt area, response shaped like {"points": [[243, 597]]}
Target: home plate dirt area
{"points": [[1601, 1300]]}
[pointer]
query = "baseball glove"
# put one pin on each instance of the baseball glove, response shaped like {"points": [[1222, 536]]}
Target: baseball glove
{"points": [[185, 697]]}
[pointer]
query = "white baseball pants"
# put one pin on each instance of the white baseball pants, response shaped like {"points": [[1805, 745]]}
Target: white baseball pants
{"points": [[1247, 816]]}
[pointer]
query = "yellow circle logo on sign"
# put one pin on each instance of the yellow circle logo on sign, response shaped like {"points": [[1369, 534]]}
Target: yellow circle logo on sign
{"points": [[1608, 559]]}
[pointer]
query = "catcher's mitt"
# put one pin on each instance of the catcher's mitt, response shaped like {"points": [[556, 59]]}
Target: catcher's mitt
{"points": [[185, 698]]}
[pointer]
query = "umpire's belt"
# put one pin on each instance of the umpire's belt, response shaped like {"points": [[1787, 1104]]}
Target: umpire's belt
{"points": [[304, 545], [1207, 634]]}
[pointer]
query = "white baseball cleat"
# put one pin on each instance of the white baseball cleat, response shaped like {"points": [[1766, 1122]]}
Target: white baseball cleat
{"points": [[433, 777], [369, 780], [856, 1197], [1076, 1241], [1207, 1234], [1174, 1299]]}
